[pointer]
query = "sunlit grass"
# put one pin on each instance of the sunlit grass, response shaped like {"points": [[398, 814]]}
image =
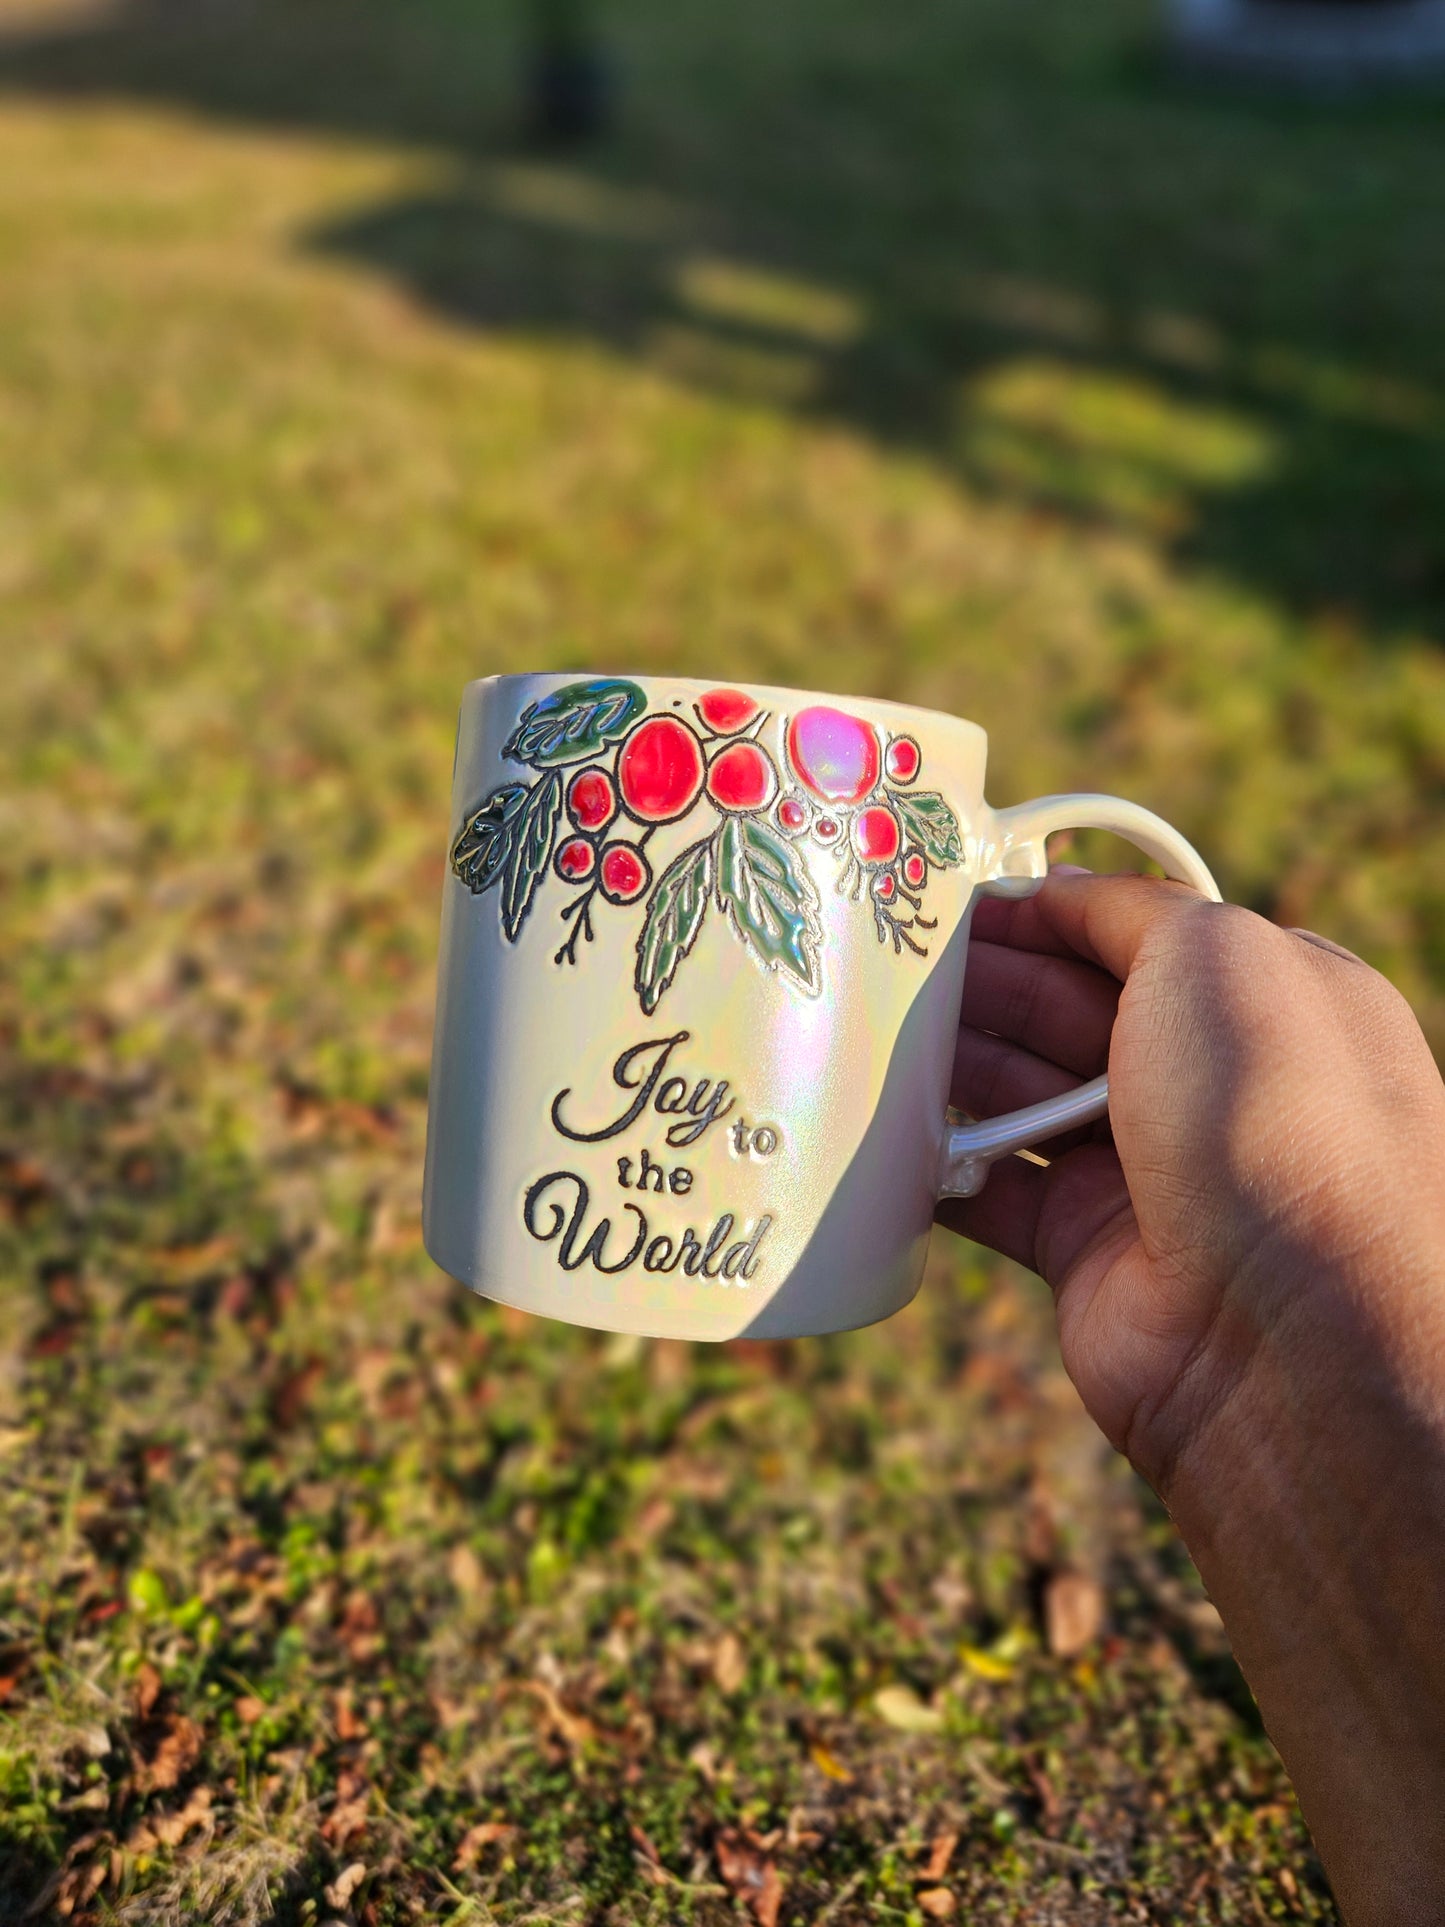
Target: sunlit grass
{"points": [[954, 356]]}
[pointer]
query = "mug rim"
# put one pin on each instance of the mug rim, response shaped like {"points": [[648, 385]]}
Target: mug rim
{"points": [[701, 684]]}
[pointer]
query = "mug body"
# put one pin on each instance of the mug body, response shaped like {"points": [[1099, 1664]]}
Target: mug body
{"points": [[701, 964]]}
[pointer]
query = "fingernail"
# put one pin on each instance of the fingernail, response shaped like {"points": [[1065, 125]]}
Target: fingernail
{"points": [[1069, 870]]}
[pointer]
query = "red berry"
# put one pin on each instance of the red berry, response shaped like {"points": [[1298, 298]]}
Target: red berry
{"points": [[827, 829], [574, 860], [623, 872], [902, 759], [726, 710], [915, 870], [591, 799], [885, 886], [835, 754], [660, 770], [876, 835], [793, 815], [741, 777]]}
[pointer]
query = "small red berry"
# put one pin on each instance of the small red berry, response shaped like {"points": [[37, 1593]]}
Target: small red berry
{"points": [[660, 769], [876, 835], [793, 815], [591, 799], [885, 886], [575, 859], [623, 873], [902, 759], [915, 870], [741, 777], [827, 829], [835, 754], [726, 710]]}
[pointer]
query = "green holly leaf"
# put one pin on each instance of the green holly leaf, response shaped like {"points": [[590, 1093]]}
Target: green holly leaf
{"points": [[674, 917], [481, 851], [531, 851], [574, 722], [769, 897], [931, 824]]}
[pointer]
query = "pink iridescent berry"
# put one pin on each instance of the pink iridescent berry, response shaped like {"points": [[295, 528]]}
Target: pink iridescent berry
{"points": [[835, 755], [915, 869], [902, 760]]}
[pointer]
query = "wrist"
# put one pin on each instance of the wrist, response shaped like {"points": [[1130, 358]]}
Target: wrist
{"points": [[1307, 1476]]}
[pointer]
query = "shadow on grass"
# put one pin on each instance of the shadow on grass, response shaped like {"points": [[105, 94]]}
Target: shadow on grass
{"points": [[1013, 244]]}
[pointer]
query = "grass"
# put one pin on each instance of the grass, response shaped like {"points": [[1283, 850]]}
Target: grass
{"points": [[958, 354]]}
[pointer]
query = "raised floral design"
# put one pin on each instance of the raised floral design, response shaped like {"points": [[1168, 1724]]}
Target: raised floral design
{"points": [[834, 781]]}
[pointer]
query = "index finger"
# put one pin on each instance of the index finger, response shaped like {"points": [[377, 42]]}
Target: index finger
{"points": [[1103, 919]]}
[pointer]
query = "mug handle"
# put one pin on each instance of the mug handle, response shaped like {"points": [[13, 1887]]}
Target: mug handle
{"points": [[1013, 862]]}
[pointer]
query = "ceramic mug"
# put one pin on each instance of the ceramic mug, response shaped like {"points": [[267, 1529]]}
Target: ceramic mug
{"points": [[702, 959]]}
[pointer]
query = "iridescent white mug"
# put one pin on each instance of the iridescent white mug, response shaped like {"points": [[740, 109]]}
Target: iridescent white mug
{"points": [[702, 961]]}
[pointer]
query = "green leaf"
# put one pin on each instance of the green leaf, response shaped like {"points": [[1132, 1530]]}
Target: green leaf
{"points": [[674, 918], [481, 851], [531, 851], [769, 897], [931, 824], [574, 722]]}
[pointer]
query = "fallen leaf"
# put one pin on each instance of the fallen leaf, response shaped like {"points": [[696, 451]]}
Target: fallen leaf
{"points": [[938, 1903], [901, 1707], [339, 1893], [476, 1839], [349, 1725], [644, 1845], [348, 1816], [249, 1709], [467, 1573], [829, 1764], [1073, 1613], [176, 1752], [1047, 1795], [729, 1664], [939, 1855], [748, 1874], [80, 1886], [574, 1728], [985, 1665], [147, 1690], [292, 1393], [169, 1829]]}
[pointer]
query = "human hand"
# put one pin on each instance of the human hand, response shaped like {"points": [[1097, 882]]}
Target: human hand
{"points": [[1248, 1264], [1272, 1106]]}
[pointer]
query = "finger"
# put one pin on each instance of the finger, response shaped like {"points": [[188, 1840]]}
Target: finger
{"points": [[1049, 1218], [1005, 1214], [1056, 1007], [1106, 919], [1017, 923], [1327, 944], [991, 1076]]}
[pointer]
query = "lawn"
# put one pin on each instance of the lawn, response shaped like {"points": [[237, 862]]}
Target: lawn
{"points": [[958, 353]]}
